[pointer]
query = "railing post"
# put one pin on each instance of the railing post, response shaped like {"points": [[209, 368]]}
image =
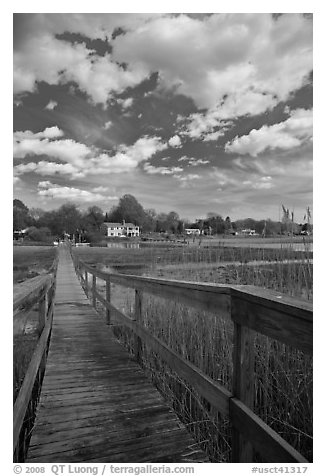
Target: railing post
{"points": [[86, 282], [138, 313], [243, 383], [108, 299], [94, 291]]}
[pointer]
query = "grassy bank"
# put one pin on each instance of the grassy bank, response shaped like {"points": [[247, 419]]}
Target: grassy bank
{"points": [[31, 261], [283, 376]]}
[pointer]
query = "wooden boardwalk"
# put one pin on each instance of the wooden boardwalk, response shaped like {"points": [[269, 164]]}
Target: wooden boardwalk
{"points": [[96, 403]]}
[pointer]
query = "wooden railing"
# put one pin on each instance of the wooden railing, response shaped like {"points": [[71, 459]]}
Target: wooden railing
{"points": [[38, 291], [251, 309]]}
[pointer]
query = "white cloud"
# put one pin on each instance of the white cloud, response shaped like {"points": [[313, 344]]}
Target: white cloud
{"points": [[51, 105], [233, 56], [107, 125], [234, 64], [291, 133], [192, 161], [48, 133], [214, 135], [100, 189], [48, 168], [174, 141], [79, 159], [125, 103], [263, 183], [45, 58], [202, 125], [50, 190], [187, 181], [150, 169]]}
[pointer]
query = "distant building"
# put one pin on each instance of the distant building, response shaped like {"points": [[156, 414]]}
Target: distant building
{"points": [[192, 231], [248, 232], [120, 229]]}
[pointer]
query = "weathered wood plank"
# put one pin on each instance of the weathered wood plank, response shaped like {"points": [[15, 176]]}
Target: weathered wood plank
{"points": [[106, 445]]}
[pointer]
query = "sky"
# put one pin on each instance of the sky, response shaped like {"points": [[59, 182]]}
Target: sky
{"points": [[193, 113]]}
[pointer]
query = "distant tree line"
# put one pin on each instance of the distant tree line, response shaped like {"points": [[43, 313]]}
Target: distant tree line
{"points": [[43, 225]]}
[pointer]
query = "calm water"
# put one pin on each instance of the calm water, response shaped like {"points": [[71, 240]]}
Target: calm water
{"points": [[252, 244]]}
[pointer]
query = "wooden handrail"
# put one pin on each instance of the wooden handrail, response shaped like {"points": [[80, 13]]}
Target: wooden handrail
{"points": [[251, 309], [42, 292]]}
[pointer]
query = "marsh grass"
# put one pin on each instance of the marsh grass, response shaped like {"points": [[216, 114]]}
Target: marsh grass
{"points": [[30, 261], [282, 377]]}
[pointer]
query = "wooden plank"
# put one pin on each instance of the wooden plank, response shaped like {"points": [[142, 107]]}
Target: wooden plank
{"points": [[105, 445], [272, 447], [64, 440], [112, 420], [216, 394]]}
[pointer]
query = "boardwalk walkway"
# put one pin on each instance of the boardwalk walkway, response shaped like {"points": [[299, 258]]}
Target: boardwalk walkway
{"points": [[96, 403]]}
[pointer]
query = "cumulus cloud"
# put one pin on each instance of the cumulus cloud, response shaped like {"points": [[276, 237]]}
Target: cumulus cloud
{"points": [[48, 133], [233, 56], [50, 190], [125, 103], [51, 105], [150, 169], [291, 133], [203, 125], [174, 141], [78, 159], [107, 125], [235, 64], [46, 58], [48, 168], [192, 161]]}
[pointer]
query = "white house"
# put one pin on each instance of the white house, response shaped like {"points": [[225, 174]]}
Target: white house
{"points": [[248, 232], [192, 231], [131, 229], [120, 229]]}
